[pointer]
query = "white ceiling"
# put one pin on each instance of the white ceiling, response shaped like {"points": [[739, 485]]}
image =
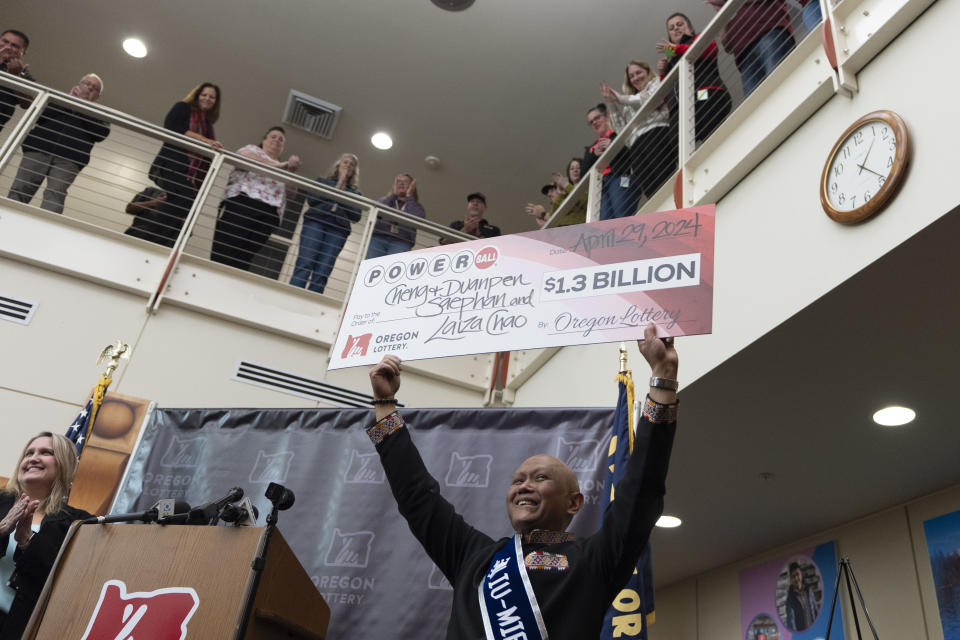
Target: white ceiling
{"points": [[498, 92]]}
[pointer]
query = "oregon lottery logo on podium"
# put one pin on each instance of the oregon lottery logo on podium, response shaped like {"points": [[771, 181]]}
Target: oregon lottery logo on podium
{"points": [[150, 615]]}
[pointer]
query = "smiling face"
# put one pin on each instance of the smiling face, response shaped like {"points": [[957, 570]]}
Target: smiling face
{"points": [[38, 468], [598, 121], [677, 27], [273, 143], [638, 76], [207, 99], [544, 494], [12, 46]]}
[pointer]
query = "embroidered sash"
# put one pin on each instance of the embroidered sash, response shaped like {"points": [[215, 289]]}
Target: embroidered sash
{"points": [[507, 602]]}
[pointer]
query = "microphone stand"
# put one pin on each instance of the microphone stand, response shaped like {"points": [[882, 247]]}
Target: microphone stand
{"points": [[846, 570], [256, 570]]}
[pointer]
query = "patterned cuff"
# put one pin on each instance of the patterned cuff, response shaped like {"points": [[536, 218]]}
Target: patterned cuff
{"points": [[385, 427], [659, 413]]}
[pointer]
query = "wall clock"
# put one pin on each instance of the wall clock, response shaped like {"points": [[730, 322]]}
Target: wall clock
{"points": [[865, 167]]}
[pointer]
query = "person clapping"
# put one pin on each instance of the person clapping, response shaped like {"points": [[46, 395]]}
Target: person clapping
{"points": [[34, 525]]}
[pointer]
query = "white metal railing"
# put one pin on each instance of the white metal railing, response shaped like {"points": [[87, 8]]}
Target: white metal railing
{"points": [[118, 171]]}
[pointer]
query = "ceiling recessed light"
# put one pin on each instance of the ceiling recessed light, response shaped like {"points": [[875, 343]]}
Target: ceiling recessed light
{"points": [[668, 522], [381, 140], [894, 416], [135, 47]]}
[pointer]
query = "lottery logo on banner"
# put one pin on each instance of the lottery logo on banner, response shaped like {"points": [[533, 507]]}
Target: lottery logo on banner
{"points": [[584, 284]]}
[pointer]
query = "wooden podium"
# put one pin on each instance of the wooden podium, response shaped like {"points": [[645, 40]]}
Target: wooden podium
{"points": [[150, 559]]}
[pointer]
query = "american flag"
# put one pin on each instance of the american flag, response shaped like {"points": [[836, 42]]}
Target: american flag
{"points": [[79, 431]]}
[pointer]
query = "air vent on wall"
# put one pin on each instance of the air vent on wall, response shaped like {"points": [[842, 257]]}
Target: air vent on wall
{"points": [[20, 311], [286, 382], [311, 114]]}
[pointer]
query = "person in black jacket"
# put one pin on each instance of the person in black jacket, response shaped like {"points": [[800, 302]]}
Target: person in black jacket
{"points": [[179, 172], [473, 222], [573, 580], [712, 101], [617, 198], [13, 44], [35, 522], [59, 147]]}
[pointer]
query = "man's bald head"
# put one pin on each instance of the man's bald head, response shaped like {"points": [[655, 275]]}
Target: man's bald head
{"points": [[544, 494]]}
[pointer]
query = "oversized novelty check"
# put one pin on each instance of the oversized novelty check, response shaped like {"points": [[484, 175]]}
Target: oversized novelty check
{"points": [[584, 284]]}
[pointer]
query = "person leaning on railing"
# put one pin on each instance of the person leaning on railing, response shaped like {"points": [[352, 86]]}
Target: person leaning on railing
{"points": [[176, 171], [326, 225], [250, 210], [653, 152], [390, 236], [711, 99], [35, 519], [58, 148]]}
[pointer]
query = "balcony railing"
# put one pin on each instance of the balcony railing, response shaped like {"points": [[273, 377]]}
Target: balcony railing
{"points": [[712, 145]]}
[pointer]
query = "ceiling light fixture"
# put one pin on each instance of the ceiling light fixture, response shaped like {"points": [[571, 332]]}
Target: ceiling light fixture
{"points": [[381, 140], [453, 5], [894, 416], [668, 522], [135, 47]]}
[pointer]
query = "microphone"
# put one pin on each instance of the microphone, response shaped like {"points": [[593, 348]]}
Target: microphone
{"points": [[209, 513], [281, 497], [242, 514], [153, 514]]}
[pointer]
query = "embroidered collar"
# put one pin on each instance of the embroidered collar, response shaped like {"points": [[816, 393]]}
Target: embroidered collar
{"points": [[542, 536]]}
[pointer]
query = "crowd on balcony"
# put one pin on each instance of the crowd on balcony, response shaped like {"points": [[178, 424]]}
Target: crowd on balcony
{"points": [[758, 36], [58, 147]]}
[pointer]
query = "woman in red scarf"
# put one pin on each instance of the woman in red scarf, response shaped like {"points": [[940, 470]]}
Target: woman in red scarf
{"points": [[177, 171]]}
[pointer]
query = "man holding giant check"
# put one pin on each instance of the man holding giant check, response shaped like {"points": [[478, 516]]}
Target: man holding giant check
{"points": [[543, 582]]}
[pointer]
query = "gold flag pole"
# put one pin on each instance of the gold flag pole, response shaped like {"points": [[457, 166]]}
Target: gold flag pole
{"points": [[623, 357], [113, 353]]}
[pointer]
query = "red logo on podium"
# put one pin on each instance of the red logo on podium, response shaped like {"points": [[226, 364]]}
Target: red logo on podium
{"points": [[151, 615]]}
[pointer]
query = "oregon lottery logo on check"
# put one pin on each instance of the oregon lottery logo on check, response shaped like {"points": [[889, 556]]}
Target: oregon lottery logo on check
{"points": [[582, 284]]}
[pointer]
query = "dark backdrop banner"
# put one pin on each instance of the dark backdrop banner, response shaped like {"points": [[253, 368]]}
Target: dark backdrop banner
{"points": [[344, 527]]}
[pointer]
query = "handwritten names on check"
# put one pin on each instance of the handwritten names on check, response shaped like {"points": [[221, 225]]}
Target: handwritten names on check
{"points": [[598, 282]]}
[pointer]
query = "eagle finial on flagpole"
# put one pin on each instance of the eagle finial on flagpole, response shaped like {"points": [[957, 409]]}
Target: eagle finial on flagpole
{"points": [[114, 353]]}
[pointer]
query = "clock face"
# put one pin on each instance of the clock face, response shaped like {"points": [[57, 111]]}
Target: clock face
{"points": [[862, 165]]}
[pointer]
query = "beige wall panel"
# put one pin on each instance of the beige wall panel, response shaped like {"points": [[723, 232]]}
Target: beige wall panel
{"points": [[24, 415], [718, 604], [676, 612], [943, 502], [881, 554], [56, 354], [187, 359]]}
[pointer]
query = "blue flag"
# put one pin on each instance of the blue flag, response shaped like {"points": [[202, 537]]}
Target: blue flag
{"points": [[79, 431], [633, 609]]}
